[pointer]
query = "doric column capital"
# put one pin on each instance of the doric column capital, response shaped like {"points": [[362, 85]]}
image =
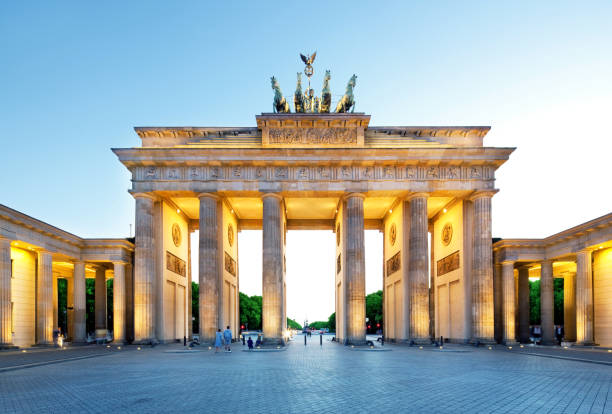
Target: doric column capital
{"points": [[351, 195], [150, 196], [214, 196], [507, 263], [416, 195], [119, 262], [272, 195], [482, 193], [4, 242]]}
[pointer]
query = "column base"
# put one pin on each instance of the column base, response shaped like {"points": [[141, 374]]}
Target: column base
{"points": [[417, 341], [8, 346], [273, 341], [549, 343], [152, 341], [483, 341], [510, 343], [586, 343]]}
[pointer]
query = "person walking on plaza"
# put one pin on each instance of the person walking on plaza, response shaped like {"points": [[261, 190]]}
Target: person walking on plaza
{"points": [[218, 340], [227, 338]]}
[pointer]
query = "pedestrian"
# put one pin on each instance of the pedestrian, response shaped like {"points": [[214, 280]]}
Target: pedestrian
{"points": [[250, 343], [258, 343], [218, 340], [227, 338]]}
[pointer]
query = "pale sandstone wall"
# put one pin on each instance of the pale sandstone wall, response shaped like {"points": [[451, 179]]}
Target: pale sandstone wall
{"points": [[602, 292], [174, 285], [395, 316], [449, 289], [23, 297]]}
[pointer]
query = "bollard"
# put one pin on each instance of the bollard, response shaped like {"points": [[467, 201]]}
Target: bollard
{"points": [[321, 340], [184, 341], [304, 340]]}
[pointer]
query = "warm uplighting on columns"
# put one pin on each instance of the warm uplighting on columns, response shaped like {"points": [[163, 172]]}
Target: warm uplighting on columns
{"points": [[119, 302], [584, 298], [482, 269], [508, 297], [272, 268], [79, 292], [569, 306], [6, 337], [209, 266], [44, 298], [418, 278], [354, 274], [547, 311], [144, 270]]}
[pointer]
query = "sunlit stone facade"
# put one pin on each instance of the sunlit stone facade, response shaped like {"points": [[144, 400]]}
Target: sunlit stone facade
{"points": [[333, 172], [582, 257]]}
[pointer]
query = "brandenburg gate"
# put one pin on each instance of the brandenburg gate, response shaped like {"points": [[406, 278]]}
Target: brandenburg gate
{"points": [[428, 189]]}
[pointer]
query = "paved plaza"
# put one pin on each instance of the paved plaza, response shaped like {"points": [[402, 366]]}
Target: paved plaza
{"points": [[331, 378]]}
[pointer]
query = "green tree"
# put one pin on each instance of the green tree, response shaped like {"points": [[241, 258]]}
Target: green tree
{"points": [[250, 311], [331, 322], [318, 325], [62, 304], [534, 302], [195, 307], [374, 310], [291, 324], [90, 305], [109, 305]]}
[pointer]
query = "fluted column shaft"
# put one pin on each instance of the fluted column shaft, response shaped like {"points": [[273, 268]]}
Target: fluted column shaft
{"points": [[547, 311], [508, 298], [272, 262], [417, 268], [569, 307], [100, 298], [584, 298], [355, 270], [44, 299], [79, 302], [209, 267], [144, 271], [119, 302], [6, 336], [523, 304], [482, 270]]}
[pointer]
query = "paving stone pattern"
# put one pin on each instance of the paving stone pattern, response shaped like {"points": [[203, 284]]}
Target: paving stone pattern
{"points": [[331, 379]]}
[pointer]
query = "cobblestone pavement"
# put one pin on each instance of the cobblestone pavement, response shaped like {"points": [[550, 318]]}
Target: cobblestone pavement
{"points": [[309, 379]]}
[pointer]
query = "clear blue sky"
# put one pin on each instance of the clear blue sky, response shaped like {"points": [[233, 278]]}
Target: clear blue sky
{"points": [[75, 77]]}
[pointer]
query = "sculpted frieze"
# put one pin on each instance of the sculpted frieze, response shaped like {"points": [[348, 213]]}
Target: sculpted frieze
{"points": [[247, 172], [312, 136]]}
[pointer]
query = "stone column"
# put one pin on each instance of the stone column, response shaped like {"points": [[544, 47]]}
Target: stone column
{"points": [[508, 311], [569, 307], [44, 299], [209, 266], [119, 302], [584, 298], [482, 270], [272, 261], [55, 303], [523, 304], [547, 304], [144, 271], [100, 300], [417, 269], [354, 274], [79, 302], [70, 307], [6, 335]]}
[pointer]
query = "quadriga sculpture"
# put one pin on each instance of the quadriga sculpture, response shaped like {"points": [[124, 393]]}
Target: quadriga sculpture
{"points": [[280, 103], [326, 93], [298, 98], [348, 101]]}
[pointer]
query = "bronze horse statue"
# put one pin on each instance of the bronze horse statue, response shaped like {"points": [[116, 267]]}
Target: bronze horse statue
{"points": [[280, 103], [298, 98], [326, 93], [348, 100]]}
